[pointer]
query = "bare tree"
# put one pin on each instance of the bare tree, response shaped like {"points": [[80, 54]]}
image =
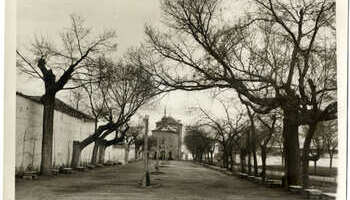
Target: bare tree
{"points": [[125, 90], [271, 57], [96, 94], [66, 60], [130, 139], [227, 132], [200, 143], [330, 140], [266, 137], [252, 139], [318, 100]]}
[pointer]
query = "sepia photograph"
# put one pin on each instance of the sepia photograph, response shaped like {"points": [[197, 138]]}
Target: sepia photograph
{"points": [[178, 99]]}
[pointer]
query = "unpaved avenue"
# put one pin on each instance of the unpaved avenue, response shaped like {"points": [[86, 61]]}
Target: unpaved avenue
{"points": [[181, 180]]}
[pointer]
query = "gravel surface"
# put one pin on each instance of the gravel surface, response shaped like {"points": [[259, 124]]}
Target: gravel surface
{"points": [[178, 180]]}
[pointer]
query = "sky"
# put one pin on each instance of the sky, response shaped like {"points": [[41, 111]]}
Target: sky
{"points": [[128, 18]]}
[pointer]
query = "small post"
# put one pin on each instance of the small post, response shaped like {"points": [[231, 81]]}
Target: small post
{"points": [[157, 156], [146, 181]]}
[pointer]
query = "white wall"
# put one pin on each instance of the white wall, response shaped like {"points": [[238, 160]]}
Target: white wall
{"points": [[29, 135], [116, 153]]}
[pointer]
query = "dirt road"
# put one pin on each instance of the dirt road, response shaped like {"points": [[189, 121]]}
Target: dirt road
{"points": [[178, 181]]}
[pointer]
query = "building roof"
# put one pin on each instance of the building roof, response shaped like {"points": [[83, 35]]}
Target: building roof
{"points": [[168, 120], [167, 124], [61, 107]]}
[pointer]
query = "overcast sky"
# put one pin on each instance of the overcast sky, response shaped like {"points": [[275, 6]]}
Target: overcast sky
{"points": [[127, 17]]}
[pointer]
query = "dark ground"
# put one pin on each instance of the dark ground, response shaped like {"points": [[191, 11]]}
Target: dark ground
{"points": [[179, 180]]}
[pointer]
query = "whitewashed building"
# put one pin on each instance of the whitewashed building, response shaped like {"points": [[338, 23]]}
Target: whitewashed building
{"points": [[120, 153], [69, 125]]}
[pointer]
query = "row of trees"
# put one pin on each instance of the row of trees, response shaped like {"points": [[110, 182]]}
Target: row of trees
{"points": [[236, 134], [279, 55], [113, 91], [200, 144]]}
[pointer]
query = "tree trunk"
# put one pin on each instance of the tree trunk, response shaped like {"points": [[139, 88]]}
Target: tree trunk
{"points": [[291, 140], [283, 157], [305, 167], [249, 148], [305, 156], [233, 163], [331, 155], [225, 160], [101, 156], [126, 156], [249, 163], [47, 139], [95, 138], [95, 124], [94, 153], [253, 148], [315, 167], [330, 163], [95, 149], [252, 141], [76, 154], [235, 158], [255, 162], [229, 161], [263, 162], [242, 161]]}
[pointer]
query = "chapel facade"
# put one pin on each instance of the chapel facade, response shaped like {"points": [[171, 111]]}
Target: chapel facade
{"points": [[168, 133]]}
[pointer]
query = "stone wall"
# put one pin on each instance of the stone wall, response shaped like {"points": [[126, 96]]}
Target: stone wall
{"points": [[118, 153], [29, 135]]}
